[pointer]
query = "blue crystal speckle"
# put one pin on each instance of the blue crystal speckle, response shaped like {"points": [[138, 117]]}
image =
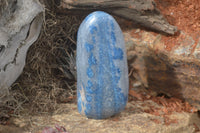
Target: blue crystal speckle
{"points": [[118, 54], [89, 47], [90, 73], [92, 60]]}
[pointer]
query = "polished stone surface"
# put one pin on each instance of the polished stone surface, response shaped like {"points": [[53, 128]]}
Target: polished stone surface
{"points": [[102, 73]]}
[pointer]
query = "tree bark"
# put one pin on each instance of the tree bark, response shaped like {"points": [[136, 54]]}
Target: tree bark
{"points": [[143, 12]]}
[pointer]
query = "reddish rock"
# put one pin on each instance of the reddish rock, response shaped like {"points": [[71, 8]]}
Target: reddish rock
{"points": [[171, 63], [174, 73]]}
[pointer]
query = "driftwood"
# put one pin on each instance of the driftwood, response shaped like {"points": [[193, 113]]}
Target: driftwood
{"points": [[143, 12], [19, 28]]}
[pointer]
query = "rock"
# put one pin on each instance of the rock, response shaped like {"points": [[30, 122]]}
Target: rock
{"points": [[17, 34], [102, 73], [172, 72], [197, 51], [132, 119]]}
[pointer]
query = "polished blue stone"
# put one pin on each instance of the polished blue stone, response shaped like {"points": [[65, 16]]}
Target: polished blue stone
{"points": [[102, 73]]}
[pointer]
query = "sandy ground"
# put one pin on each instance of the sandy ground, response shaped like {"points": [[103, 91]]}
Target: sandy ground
{"points": [[132, 120]]}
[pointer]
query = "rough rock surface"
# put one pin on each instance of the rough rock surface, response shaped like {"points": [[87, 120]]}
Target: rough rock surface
{"points": [[132, 119], [17, 33], [173, 72]]}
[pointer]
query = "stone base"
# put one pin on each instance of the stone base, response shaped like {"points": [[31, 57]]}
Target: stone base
{"points": [[133, 119]]}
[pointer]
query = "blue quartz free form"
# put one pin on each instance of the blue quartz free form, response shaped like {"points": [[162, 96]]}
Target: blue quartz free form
{"points": [[102, 73]]}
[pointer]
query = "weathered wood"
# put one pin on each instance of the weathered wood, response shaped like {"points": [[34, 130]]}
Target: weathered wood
{"points": [[143, 12], [18, 31]]}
